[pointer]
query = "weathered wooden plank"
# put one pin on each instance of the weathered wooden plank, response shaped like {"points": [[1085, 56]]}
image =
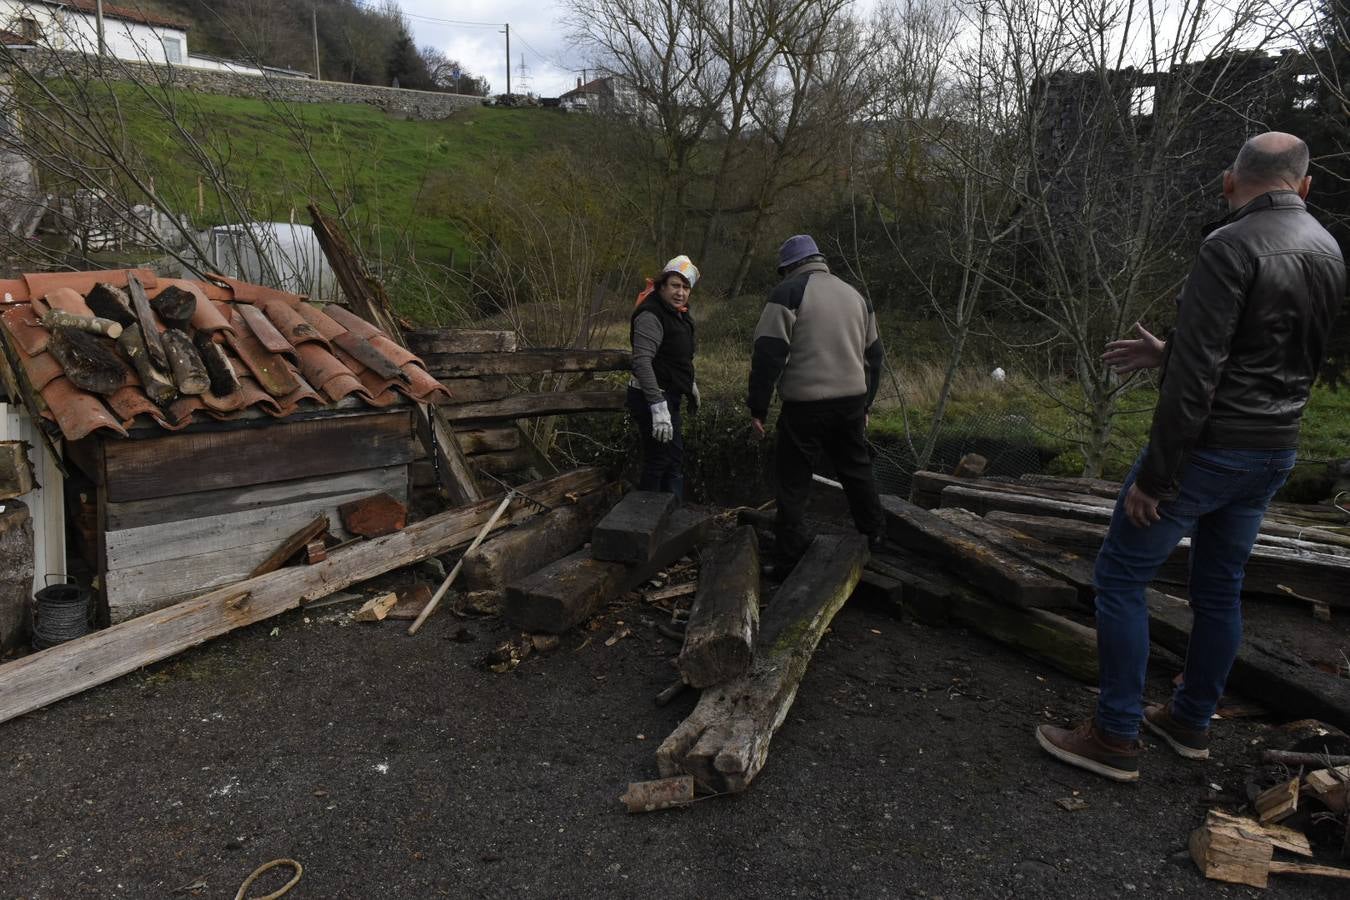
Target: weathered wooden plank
{"points": [[477, 390], [725, 741], [430, 341], [489, 440], [526, 362], [501, 463], [548, 403], [719, 640], [147, 545], [516, 552], [567, 592], [201, 461], [631, 532], [137, 590], [1006, 578], [163, 510], [70, 668], [1321, 576]]}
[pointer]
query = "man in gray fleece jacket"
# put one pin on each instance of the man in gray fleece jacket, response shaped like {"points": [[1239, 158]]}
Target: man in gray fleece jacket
{"points": [[817, 342]]}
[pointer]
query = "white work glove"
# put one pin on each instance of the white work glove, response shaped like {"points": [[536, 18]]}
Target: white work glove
{"points": [[662, 428], [695, 401]]}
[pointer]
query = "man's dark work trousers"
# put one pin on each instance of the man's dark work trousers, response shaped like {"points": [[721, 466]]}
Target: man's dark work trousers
{"points": [[809, 432]]}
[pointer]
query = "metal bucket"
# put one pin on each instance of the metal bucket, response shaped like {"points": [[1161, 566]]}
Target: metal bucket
{"points": [[61, 612]]}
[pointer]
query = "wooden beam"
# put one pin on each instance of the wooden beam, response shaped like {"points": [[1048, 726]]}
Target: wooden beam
{"points": [[430, 341], [75, 666], [567, 592], [549, 403], [719, 640], [369, 300], [489, 440], [1006, 578], [516, 552], [725, 741], [631, 532], [526, 362], [291, 546], [1308, 573]]}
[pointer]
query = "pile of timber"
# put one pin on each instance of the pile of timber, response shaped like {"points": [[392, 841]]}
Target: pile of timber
{"points": [[493, 383], [953, 564], [1301, 553], [74, 666], [639, 536]]}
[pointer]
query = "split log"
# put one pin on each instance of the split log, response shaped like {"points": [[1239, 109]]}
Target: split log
{"points": [[154, 382], [430, 341], [526, 362], [516, 552], [89, 362], [630, 531], [1296, 760], [548, 403], [373, 516], [1311, 574], [725, 741], [291, 546], [63, 671], [376, 608], [108, 301], [58, 318], [648, 796], [316, 551], [145, 317], [567, 592], [1277, 803], [720, 637], [175, 307], [16, 472], [224, 380], [1331, 787], [1006, 578], [189, 372]]}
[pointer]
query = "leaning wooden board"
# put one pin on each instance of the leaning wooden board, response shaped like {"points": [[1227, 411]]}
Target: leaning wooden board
{"points": [[70, 668]]}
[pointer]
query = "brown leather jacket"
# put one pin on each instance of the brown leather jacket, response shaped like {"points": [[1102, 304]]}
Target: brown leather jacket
{"points": [[1251, 328]]}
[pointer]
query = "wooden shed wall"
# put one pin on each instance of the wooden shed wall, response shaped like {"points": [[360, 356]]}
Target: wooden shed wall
{"points": [[182, 513]]}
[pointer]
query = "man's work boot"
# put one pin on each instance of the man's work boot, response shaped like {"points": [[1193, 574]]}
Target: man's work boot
{"points": [[1187, 741], [1087, 748]]}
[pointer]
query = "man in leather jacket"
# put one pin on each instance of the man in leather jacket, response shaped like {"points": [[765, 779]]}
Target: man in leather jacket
{"points": [[1251, 328]]}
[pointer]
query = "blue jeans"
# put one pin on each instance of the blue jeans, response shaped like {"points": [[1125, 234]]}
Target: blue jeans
{"points": [[662, 464], [1224, 494]]}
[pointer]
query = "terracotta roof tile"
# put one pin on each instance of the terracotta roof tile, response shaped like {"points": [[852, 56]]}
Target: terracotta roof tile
{"points": [[281, 347]]}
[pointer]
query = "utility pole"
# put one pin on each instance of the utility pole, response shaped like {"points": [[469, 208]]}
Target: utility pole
{"points": [[508, 59], [314, 19], [98, 16]]}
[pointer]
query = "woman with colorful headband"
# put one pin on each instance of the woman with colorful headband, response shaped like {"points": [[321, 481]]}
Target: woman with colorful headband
{"points": [[662, 335]]}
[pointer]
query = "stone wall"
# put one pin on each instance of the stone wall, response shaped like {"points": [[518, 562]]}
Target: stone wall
{"points": [[396, 101]]}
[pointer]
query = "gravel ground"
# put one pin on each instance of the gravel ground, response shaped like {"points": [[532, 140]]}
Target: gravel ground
{"points": [[395, 767]]}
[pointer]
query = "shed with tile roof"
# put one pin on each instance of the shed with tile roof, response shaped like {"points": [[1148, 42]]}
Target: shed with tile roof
{"points": [[170, 498]]}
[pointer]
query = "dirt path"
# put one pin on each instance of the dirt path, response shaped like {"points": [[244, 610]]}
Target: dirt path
{"points": [[393, 767]]}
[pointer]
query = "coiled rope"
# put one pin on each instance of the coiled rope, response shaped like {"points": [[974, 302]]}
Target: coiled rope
{"points": [[248, 882]]}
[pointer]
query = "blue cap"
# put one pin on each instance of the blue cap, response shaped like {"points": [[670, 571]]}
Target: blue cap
{"points": [[795, 249]]}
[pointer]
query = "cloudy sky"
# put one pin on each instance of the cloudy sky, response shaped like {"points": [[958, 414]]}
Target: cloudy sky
{"points": [[535, 32]]}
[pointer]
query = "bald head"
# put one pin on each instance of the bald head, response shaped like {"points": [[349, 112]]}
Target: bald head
{"points": [[1272, 160]]}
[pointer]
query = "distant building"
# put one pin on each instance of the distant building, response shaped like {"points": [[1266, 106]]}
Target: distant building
{"points": [[128, 33], [608, 95]]}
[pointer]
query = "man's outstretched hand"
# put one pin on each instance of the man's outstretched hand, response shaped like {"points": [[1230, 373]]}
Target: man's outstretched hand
{"points": [[1131, 355], [1140, 508]]}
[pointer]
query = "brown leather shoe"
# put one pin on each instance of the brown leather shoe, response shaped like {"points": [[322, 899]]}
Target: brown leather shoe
{"points": [[1087, 748], [1185, 740]]}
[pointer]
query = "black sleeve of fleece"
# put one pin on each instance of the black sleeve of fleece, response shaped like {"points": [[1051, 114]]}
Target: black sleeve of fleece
{"points": [[1211, 306], [766, 364]]}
